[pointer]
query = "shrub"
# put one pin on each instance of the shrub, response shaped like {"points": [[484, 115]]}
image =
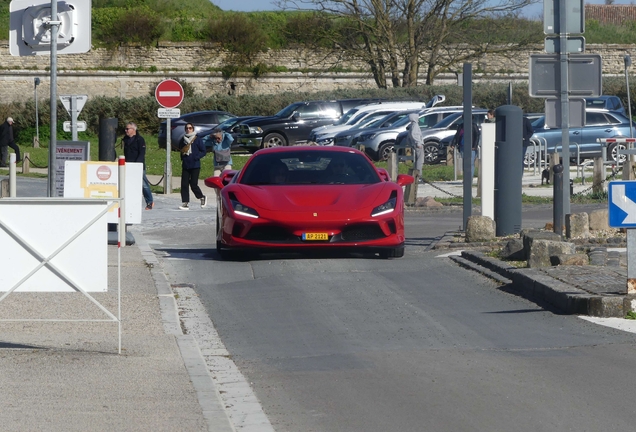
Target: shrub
{"points": [[240, 36]]}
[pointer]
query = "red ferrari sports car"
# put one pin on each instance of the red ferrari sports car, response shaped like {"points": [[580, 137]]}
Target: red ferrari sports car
{"points": [[309, 197]]}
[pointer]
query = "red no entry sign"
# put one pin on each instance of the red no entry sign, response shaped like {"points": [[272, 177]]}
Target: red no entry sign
{"points": [[169, 93]]}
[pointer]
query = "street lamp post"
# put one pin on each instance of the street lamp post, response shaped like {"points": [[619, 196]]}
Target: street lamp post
{"points": [[36, 82]]}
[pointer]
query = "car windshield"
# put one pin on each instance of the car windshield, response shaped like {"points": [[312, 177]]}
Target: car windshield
{"points": [[309, 167], [225, 125], [346, 116], [401, 122], [447, 121], [288, 111]]}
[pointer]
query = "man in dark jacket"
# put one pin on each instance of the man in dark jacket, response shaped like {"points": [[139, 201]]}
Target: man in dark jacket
{"points": [[6, 141], [135, 151], [458, 140]]}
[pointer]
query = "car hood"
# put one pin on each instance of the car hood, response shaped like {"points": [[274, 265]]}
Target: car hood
{"points": [[330, 130], [336, 198], [262, 120]]}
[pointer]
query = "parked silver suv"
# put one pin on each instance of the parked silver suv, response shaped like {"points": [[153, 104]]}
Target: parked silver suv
{"points": [[378, 143]]}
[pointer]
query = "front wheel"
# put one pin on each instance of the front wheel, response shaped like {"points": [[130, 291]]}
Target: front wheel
{"points": [[385, 149], [612, 152], [274, 140], [431, 153]]}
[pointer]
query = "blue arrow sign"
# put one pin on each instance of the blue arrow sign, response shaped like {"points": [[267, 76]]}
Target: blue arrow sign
{"points": [[622, 204]]}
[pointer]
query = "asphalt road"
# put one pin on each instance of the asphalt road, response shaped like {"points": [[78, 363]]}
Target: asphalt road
{"points": [[362, 344]]}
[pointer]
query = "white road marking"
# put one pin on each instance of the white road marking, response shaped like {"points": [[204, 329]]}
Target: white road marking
{"points": [[241, 403], [446, 255], [617, 323]]}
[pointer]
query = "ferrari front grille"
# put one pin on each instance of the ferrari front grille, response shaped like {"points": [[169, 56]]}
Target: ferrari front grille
{"points": [[271, 234], [362, 232]]}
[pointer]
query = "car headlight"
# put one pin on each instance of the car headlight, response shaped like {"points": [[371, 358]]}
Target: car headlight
{"points": [[325, 141], [255, 130], [385, 208], [243, 210], [366, 137]]}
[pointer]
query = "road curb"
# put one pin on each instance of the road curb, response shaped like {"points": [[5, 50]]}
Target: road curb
{"points": [[539, 287]]}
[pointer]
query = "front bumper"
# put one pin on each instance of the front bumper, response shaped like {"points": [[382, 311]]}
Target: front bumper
{"points": [[250, 141]]}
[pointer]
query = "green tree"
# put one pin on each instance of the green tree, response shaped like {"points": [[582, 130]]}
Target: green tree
{"points": [[398, 37]]}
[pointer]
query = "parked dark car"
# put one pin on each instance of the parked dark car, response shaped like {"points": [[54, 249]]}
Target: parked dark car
{"points": [[202, 120], [293, 124]]}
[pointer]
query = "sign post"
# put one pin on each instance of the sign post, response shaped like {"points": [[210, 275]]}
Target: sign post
{"points": [[74, 105], [567, 72], [169, 94]]}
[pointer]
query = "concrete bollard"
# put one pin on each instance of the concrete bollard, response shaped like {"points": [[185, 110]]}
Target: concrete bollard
{"points": [[26, 165]]}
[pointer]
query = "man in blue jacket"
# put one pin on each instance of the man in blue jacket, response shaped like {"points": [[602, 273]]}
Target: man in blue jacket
{"points": [[135, 151]]}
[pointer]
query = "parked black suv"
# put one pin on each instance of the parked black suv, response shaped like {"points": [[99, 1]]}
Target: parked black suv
{"points": [[293, 123]]}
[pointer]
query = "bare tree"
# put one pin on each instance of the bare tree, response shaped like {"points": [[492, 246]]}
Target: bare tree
{"points": [[399, 37]]}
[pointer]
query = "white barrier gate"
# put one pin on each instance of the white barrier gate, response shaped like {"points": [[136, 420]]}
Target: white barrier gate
{"points": [[57, 245]]}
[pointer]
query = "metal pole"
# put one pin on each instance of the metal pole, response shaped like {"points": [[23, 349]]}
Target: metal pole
{"points": [[36, 83], [628, 63], [468, 142], [632, 158], [54, 24], [565, 107], [167, 182], [557, 207]]}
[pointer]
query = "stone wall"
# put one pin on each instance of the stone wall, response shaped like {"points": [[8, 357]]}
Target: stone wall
{"points": [[101, 72]]}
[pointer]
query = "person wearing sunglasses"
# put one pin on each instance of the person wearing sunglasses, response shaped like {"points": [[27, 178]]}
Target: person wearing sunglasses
{"points": [[192, 150], [135, 151]]}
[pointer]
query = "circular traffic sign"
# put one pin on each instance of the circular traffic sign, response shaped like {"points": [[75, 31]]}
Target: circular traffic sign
{"points": [[169, 93]]}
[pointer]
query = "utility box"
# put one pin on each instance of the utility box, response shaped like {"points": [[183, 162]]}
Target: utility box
{"points": [[508, 169]]}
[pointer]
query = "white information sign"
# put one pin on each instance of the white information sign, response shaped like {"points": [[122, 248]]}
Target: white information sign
{"points": [[169, 113], [101, 180], [81, 126], [65, 151]]}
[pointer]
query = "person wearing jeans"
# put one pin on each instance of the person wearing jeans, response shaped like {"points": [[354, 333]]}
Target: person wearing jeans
{"points": [[192, 150], [135, 151]]}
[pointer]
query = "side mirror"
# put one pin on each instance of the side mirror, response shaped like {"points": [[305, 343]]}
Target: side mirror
{"points": [[214, 183], [227, 176], [404, 179]]}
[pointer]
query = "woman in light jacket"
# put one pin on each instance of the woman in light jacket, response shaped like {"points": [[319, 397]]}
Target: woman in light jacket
{"points": [[222, 146]]}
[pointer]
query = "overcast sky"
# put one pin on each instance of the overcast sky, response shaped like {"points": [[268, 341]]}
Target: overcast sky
{"points": [[534, 11]]}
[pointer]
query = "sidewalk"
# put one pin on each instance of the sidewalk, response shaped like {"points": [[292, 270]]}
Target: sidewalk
{"points": [[530, 186], [67, 376]]}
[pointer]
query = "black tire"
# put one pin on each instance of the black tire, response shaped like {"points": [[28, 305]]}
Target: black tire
{"points": [[431, 153], [274, 140], [392, 253], [225, 254], [385, 149], [612, 152]]}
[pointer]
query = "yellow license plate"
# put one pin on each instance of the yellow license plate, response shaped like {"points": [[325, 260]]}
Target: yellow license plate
{"points": [[315, 236]]}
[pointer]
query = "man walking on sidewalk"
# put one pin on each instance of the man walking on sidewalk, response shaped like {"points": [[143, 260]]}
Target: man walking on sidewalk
{"points": [[135, 151], [6, 141]]}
